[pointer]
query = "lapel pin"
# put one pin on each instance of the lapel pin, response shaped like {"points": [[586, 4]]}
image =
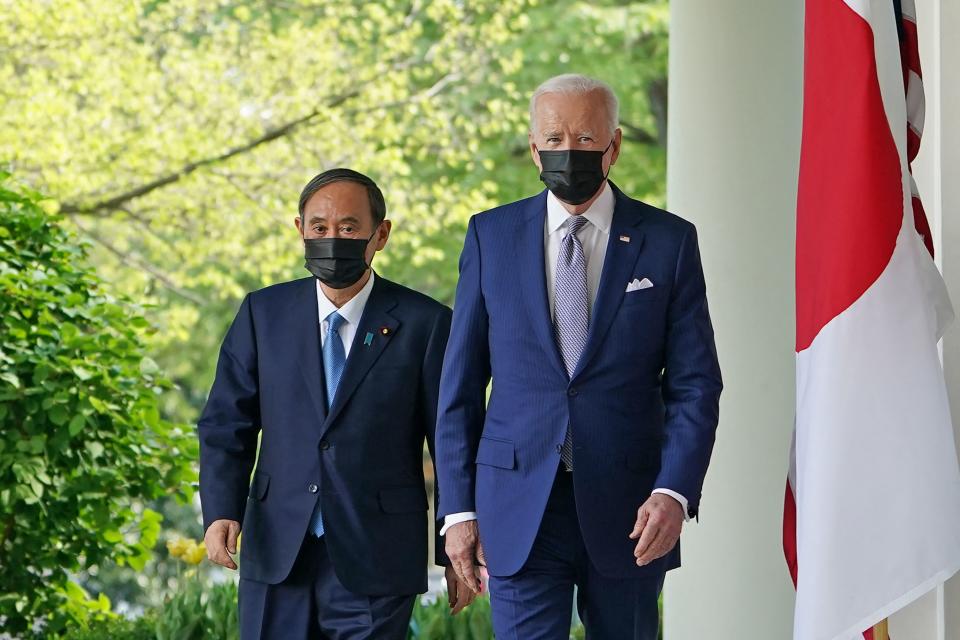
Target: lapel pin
{"points": [[368, 339], [385, 330], [624, 238]]}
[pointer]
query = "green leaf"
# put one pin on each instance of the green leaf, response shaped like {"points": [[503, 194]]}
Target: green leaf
{"points": [[82, 373], [148, 367], [58, 414], [76, 424], [10, 378]]}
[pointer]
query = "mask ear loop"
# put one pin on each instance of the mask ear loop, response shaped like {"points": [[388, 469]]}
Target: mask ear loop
{"points": [[374, 232], [605, 153]]}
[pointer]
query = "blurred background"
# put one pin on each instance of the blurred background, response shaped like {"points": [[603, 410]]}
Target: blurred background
{"points": [[152, 156]]}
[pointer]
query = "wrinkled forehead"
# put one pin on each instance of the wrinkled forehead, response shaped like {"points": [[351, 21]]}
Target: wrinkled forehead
{"points": [[572, 112]]}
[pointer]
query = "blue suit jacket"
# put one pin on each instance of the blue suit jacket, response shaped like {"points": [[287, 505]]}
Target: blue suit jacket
{"points": [[363, 459], [642, 402]]}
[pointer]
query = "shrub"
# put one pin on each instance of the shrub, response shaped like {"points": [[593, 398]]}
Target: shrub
{"points": [[82, 443], [116, 627]]}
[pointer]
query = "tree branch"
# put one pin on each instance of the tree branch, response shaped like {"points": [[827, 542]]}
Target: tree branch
{"points": [[116, 202], [637, 134], [140, 263]]}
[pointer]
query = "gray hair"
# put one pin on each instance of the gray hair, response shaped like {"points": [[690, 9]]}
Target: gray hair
{"points": [[576, 84]]}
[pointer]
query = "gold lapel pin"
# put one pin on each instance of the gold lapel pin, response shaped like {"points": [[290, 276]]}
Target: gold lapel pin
{"points": [[385, 330]]}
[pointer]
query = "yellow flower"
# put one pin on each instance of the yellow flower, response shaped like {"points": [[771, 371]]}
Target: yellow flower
{"points": [[177, 546], [195, 553]]}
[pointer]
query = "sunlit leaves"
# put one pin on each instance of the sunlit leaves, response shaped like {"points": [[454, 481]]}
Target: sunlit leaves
{"points": [[429, 97], [81, 438]]}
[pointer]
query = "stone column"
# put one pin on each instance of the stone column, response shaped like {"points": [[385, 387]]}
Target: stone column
{"points": [[735, 104]]}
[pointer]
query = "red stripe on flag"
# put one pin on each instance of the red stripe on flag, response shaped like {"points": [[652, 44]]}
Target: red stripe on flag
{"points": [[790, 532], [849, 202], [910, 61]]}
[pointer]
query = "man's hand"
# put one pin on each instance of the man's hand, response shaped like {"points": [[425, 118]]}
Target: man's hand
{"points": [[458, 595], [659, 522], [462, 544], [221, 542]]}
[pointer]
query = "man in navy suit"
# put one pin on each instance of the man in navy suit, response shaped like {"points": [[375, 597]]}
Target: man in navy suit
{"points": [[588, 311], [337, 374]]}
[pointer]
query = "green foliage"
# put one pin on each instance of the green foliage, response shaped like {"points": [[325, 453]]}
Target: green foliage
{"points": [[116, 627], [433, 621], [200, 612], [177, 134], [82, 443]]}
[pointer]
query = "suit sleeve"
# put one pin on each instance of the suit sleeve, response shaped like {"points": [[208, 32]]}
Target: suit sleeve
{"points": [[229, 424], [430, 389], [691, 380], [463, 386]]}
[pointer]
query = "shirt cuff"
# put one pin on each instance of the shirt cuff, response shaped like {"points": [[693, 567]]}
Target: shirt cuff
{"points": [[457, 518], [679, 498]]}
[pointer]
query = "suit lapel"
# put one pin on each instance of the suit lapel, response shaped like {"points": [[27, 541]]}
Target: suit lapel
{"points": [[618, 263], [375, 320], [306, 321], [532, 266]]}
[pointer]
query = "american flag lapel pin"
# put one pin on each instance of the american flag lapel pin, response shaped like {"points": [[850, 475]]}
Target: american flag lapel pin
{"points": [[624, 238]]}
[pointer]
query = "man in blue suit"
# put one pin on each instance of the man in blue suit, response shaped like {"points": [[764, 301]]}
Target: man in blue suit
{"points": [[337, 374], [588, 311]]}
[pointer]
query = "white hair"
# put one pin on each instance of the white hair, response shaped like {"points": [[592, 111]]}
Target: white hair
{"points": [[576, 84]]}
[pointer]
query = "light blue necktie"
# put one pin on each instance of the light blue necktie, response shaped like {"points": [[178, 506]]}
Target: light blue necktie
{"points": [[334, 359], [572, 321]]}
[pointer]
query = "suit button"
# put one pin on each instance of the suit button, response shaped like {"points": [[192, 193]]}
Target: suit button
{"points": [[312, 488], [572, 391], [559, 448], [324, 445]]}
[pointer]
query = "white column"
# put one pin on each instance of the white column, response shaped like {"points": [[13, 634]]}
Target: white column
{"points": [[733, 153], [949, 170]]}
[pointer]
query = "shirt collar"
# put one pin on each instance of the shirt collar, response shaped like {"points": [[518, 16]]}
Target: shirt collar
{"points": [[352, 310], [600, 213]]}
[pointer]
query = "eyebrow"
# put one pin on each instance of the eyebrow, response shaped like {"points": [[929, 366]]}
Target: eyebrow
{"points": [[558, 132], [351, 219]]}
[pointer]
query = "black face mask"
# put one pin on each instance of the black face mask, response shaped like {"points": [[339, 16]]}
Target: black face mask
{"points": [[336, 262], [573, 175]]}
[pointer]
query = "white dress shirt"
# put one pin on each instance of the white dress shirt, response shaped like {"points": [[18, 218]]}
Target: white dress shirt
{"points": [[350, 312], [594, 236]]}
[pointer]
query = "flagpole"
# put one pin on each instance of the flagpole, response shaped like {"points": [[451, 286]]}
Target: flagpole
{"points": [[880, 630]]}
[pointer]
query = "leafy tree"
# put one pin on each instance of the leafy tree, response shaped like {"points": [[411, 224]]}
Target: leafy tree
{"points": [[82, 444], [176, 134]]}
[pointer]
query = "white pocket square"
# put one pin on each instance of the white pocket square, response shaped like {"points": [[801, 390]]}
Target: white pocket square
{"points": [[637, 285]]}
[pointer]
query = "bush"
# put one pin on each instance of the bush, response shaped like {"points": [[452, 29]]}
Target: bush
{"points": [[116, 628], [82, 444], [434, 622], [200, 612]]}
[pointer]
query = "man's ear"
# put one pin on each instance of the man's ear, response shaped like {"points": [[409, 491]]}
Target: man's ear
{"points": [[533, 151], [383, 234], [299, 225], [617, 141]]}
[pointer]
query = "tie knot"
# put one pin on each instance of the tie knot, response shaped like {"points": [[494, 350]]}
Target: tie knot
{"points": [[335, 321], [575, 223]]}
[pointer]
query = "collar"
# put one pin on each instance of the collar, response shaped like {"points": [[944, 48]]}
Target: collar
{"points": [[600, 213], [352, 310]]}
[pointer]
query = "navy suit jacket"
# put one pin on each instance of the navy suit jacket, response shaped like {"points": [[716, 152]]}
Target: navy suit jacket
{"points": [[642, 402], [363, 459]]}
